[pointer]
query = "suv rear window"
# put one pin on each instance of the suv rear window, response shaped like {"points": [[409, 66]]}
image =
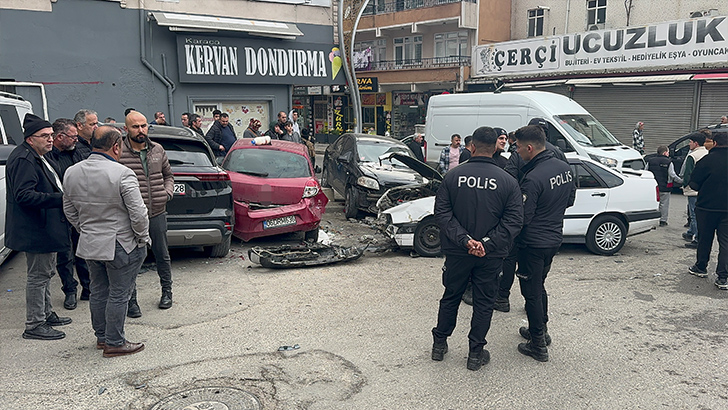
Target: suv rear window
{"points": [[267, 163], [184, 153]]}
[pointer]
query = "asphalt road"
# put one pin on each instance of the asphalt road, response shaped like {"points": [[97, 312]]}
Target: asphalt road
{"points": [[631, 331]]}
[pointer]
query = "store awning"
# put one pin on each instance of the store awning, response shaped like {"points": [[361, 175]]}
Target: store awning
{"points": [[712, 77], [529, 84], [209, 24], [650, 79]]}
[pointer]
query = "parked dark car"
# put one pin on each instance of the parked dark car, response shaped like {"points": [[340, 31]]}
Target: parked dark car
{"points": [[353, 168], [201, 211]]}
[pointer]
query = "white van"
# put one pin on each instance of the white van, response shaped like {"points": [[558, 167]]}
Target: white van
{"points": [[571, 127], [12, 112]]}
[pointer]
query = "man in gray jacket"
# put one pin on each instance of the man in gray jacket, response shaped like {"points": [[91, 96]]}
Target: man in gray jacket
{"points": [[103, 202]]}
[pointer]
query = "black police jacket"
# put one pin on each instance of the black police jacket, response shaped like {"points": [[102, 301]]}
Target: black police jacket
{"points": [[515, 163], [548, 189], [478, 200], [659, 166]]}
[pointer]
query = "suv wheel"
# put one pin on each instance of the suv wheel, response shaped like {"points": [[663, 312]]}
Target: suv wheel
{"points": [[606, 235], [221, 249], [325, 178]]}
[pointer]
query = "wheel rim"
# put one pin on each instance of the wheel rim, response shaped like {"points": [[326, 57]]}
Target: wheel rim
{"points": [[430, 237], [608, 236]]}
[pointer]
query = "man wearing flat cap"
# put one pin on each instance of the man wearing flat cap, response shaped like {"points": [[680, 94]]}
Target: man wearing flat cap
{"points": [[35, 224]]}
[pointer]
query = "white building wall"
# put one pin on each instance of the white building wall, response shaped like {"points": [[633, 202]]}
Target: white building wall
{"points": [[570, 16]]}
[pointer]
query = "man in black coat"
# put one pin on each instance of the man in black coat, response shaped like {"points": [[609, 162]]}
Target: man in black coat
{"points": [[415, 145], [35, 224], [548, 189], [479, 210], [219, 133], [710, 179], [64, 154]]}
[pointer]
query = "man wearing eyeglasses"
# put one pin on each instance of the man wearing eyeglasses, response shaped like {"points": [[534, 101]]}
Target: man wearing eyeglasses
{"points": [[64, 154], [114, 235], [86, 122], [35, 224]]}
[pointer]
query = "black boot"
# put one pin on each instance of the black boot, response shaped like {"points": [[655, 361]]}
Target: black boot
{"points": [[477, 359], [468, 295], [502, 305], [439, 350], [535, 347], [166, 300], [523, 331], [134, 311]]}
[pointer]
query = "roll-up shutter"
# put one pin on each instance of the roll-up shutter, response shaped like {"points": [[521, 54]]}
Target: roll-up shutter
{"points": [[665, 110], [713, 103]]}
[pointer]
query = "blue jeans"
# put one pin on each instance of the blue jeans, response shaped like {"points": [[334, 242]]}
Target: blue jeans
{"points": [[111, 286], [693, 230]]}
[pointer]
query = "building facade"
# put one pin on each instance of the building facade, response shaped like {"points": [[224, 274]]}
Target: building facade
{"points": [[408, 50], [241, 57], [662, 63]]}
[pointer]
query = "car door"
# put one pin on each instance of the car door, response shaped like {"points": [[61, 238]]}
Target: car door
{"points": [[343, 160], [678, 152], [592, 196]]}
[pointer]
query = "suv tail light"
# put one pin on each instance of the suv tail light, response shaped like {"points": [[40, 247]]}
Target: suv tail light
{"points": [[657, 193], [217, 176], [425, 145], [311, 189]]}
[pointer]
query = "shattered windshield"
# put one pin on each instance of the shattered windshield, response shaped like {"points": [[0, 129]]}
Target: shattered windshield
{"points": [[370, 151], [587, 131]]}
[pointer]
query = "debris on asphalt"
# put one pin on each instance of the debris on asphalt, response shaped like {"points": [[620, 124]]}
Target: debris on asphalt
{"points": [[305, 254], [141, 386], [285, 348], [102, 390]]}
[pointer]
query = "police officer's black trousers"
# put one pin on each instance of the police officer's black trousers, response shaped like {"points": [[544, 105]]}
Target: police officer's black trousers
{"points": [[458, 271], [509, 273], [533, 267]]}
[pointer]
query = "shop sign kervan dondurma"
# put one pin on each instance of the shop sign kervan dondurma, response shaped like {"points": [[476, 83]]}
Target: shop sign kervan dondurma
{"points": [[684, 42], [204, 59]]}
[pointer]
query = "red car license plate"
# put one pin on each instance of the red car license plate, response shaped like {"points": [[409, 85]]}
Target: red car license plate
{"points": [[279, 222]]}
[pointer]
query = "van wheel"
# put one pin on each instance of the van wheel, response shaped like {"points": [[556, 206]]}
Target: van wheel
{"points": [[351, 202], [427, 237], [606, 235]]}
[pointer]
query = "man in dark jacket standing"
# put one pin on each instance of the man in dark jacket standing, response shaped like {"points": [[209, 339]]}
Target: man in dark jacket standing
{"points": [[548, 189], [479, 210], [221, 136], [196, 124], [86, 122], [710, 179], [35, 224], [64, 154], [664, 173], [415, 145], [149, 162]]}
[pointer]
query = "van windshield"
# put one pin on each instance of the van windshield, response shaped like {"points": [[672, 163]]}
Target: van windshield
{"points": [[587, 131]]}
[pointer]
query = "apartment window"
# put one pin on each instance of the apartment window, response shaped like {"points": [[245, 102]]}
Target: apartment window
{"points": [[408, 50], [368, 53], [453, 44], [596, 12], [535, 22]]}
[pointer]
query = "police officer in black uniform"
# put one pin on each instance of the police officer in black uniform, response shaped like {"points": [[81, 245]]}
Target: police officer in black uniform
{"points": [[548, 189], [479, 210]]}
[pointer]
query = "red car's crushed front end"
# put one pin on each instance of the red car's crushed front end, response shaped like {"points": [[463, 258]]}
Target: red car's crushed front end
{"points": [[274, 190]]}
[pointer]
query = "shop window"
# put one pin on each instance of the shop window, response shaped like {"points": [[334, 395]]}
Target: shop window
{"points": [[451, 46], [368, 115], [535, 22], [596, 14], [408, 50]]}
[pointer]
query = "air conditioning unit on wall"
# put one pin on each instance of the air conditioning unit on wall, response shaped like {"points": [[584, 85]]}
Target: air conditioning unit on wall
{"points": [[593, 27]]}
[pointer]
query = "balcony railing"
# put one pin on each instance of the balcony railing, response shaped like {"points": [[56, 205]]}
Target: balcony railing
{"points": [[382, 7], [408, 64]]}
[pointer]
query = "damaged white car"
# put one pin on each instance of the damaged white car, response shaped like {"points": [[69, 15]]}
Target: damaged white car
{"points": [[609, 206]]}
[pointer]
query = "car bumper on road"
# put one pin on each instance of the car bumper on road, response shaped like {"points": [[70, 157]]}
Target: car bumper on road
{"points": [[249, 223]]}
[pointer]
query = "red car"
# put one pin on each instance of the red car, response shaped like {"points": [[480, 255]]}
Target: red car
{"points": [[274, 189]]}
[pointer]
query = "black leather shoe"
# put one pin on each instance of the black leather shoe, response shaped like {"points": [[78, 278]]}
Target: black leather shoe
{"points": [[55, 320], [692, 245], [476, 360], [536, 350], [438, 351], [502, 305], [70, 302], [43, 332], [166, 301], [133, 311], [85, 294], [126, 349]]}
